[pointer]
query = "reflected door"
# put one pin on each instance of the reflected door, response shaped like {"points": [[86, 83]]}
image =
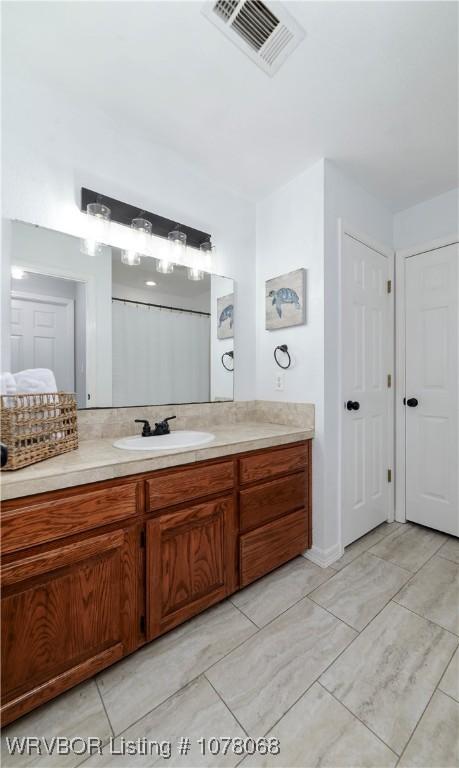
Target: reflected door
{"points": [[42, 336], [432, 389], [366, 350]]}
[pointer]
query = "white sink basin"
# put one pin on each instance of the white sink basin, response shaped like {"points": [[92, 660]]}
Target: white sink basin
{"points": [[178, 439]]}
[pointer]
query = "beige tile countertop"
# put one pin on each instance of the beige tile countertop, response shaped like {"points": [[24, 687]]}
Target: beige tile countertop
{"points": [[98, 460]]}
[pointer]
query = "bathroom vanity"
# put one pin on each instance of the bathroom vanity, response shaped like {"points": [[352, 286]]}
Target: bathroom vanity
{"points": [[92, 572]]}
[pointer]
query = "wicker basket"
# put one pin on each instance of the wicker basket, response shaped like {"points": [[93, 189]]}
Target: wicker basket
{"points": [[36, 427]]}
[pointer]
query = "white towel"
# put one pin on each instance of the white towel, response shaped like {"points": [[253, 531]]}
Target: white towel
{"points": [[7, 384], [8, 387], [35, 380]]}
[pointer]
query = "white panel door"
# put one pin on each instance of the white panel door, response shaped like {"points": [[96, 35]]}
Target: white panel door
{"points": [[42, 336], [432, 389], [366, 351]]}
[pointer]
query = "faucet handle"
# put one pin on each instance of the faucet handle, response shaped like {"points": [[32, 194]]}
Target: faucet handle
{"points": [[146, 431], [162, 427]]}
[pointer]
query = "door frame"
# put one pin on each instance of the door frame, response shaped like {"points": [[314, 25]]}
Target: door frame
{"points": [[400, 364], [59, 301], [343, 230]]}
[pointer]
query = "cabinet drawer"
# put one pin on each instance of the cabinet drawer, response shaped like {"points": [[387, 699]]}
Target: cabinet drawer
{"points": [[191, 483], [63, 515], [262, 503], [265, 465], [265, 548]]}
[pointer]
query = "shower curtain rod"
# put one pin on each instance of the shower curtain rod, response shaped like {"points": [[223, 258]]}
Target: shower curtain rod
{"points": [[162, 306]]}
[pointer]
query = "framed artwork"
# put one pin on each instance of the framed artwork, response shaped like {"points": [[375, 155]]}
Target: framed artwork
{"points": [[286, 300], [225, 316]]}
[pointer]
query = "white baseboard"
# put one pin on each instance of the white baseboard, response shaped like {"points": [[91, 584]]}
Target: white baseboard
{"points": [[323, 557]]}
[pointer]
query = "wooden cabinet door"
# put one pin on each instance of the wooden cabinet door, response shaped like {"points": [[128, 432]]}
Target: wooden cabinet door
{"points": [[191, 562], [67, 612]]}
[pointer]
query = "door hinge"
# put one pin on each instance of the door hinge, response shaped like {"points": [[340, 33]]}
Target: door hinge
{"points": [[142, 624], [142, 539], [389, 475], [389, 380], [389, 286]]}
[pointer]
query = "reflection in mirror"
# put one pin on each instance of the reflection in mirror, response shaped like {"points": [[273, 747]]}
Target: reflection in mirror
{"points": [[117, 335]]}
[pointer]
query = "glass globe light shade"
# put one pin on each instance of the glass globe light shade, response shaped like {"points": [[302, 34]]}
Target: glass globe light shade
{"points": [[97, 228], [141, 231]]}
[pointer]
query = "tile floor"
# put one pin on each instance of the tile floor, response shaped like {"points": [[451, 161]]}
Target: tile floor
{"points": [[353, 665]]}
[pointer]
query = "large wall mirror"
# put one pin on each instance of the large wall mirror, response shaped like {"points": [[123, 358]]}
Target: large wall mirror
{"points": [[115, 334]]}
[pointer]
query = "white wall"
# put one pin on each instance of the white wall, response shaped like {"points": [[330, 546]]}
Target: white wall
{"points": [[45, 286], [364, 214], [48, 158], [297, 226], [290, 235], [431, 220]]}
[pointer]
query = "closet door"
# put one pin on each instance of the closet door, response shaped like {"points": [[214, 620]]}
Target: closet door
{"points": [[366, 364], [432, 389]]}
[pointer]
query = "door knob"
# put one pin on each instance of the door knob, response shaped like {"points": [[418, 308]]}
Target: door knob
{"points": [[352, 405], [412, 402]]}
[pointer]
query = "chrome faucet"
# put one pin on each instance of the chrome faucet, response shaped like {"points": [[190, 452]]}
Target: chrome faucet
{"points": [[161, 427]]}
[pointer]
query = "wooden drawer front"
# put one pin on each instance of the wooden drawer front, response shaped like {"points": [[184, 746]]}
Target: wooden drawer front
{"points": [[191, 483], [55, 518], [60, 608], [262, 466], [271, 545], [265, 502]]}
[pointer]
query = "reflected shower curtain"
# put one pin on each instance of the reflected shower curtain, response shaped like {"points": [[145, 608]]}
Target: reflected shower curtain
{"points": [[159, 355]]}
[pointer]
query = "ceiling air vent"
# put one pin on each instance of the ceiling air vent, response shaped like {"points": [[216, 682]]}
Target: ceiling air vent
{"points": [[267, 37]]}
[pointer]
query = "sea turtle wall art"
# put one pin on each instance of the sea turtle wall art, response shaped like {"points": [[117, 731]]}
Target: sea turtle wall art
{"points": [[225, 317], [286, 300]]}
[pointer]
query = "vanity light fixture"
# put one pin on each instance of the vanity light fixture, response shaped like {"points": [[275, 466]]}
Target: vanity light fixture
{"points": [[97, 229], [151, 283], [195, 274], [177, 244], [204, 259], [141, 241], [131, 258], [17, 273], [177, 237], [164, 266]]}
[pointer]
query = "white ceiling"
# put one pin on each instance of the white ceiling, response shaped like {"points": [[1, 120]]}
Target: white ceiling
{"points": [[373, 86], [174, 284]]}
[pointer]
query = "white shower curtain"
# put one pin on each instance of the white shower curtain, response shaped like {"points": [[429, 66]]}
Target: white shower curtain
{"points": [[159, 355]]}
